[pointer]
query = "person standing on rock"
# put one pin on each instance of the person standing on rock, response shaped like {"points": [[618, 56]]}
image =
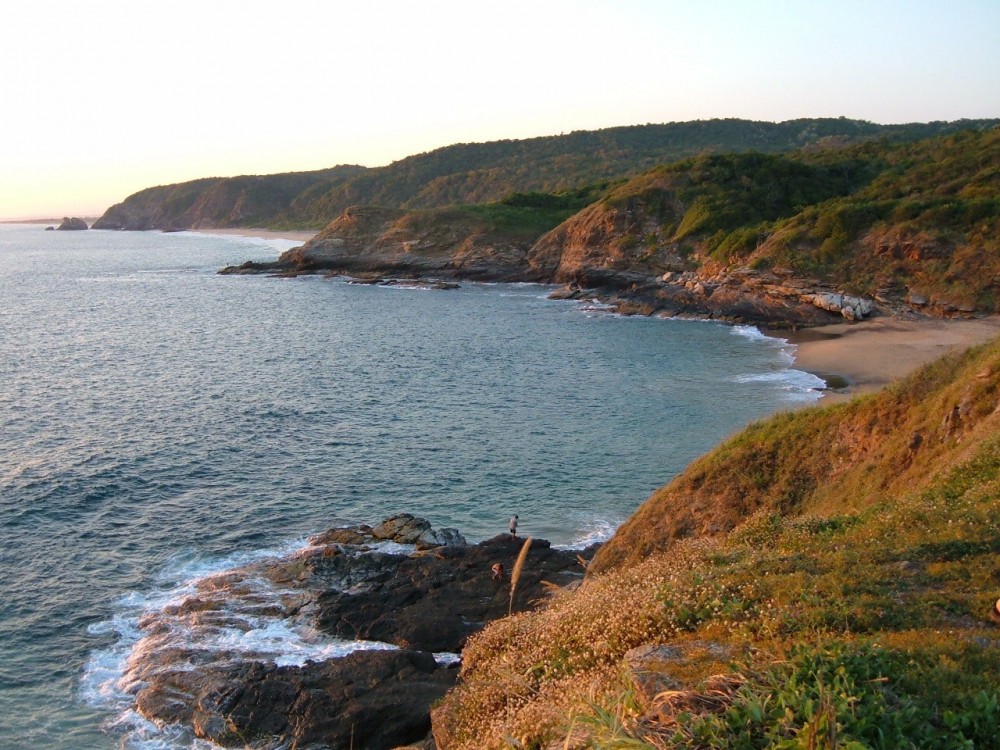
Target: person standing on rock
{"points": [[513, 526]]}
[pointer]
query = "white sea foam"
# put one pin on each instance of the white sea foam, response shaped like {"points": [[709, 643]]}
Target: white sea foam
{"points": [[753, 333], [277, 243], [244, 620], [796, 384], [590, 532]]}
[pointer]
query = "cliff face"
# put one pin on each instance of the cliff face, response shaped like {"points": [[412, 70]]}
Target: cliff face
{"points": [[609, 240]]}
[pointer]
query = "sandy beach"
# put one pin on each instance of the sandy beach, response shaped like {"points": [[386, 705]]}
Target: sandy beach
{"points": [[267, 234], [867, 355]]}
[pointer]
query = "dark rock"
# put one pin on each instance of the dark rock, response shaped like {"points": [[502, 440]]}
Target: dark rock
{"points": [[74, 224], [434, 602], [428, 602], [369, 699], [49, 229]]}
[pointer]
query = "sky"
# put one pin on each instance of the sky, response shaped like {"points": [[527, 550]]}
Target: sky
{"points": [[106, 97]]}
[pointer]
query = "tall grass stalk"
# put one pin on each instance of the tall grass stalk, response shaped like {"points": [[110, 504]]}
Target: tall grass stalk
{"points": [[515, 574]]}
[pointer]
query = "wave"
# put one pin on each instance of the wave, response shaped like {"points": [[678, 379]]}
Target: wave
{"points": [[798, 385], [203, 614], [592, 531]]}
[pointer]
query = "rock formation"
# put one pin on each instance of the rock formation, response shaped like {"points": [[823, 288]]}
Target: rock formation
{"points": [[73, 224], [410, 611]]}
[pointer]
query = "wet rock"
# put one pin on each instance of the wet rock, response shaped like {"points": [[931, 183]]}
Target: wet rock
{"points": [[210, 661], [434, 602], [369, 699]]}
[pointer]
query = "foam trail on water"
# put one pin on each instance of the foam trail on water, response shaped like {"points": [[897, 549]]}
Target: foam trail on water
{"points": [[205, 614]]}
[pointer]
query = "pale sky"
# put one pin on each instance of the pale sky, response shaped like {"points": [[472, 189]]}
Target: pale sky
{"points": [[104, 98]]}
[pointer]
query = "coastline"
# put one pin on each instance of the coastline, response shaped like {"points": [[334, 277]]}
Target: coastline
{"points": [[865, 356], [264, 234], [854, 358]]}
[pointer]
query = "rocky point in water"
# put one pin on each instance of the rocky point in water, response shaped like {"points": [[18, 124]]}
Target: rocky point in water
{"points": [[409, 609], [72, 224]]}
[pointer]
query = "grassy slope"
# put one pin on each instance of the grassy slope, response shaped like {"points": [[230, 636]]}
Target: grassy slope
{"points": [[851, 596]]}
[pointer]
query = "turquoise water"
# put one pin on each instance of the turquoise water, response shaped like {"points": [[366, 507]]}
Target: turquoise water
{"points": [[159, 421]]}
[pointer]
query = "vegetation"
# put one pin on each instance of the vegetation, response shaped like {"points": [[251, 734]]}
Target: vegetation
{"points": [[876, 219], [849, 615], [474, 173], [525, 217]]}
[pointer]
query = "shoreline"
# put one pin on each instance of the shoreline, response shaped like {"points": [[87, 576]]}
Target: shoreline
{"points": [[294, 235], [853, 358], [863, 357]]}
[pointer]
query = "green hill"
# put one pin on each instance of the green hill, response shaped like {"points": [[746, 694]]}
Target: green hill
{"points": [[915, 223], [472, 173], [822, 580]]}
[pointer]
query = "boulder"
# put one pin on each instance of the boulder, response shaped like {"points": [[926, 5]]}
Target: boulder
{"points": [[403, 528], [72, 224], [852, 308]]}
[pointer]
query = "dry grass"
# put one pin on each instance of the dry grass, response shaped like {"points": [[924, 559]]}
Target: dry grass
{"points": [[515, 574]]}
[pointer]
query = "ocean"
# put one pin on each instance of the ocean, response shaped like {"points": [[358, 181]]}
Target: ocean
{"points": [[160, 422]]}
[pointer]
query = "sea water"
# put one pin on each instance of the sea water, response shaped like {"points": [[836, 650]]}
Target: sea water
{"points": [[160, 422]]}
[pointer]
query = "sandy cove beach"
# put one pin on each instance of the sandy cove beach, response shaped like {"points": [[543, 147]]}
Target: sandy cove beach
{"points": [[870, 354], [266, 234]]}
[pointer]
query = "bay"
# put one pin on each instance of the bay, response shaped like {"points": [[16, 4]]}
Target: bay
{"points": [[158, 420]]}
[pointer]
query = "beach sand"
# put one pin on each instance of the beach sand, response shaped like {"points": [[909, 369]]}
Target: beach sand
{"points": [[266, 234], [863, 357]]}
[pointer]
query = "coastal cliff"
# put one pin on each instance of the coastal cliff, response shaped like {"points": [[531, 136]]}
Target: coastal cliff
{"points": [[452, 242], [782, 240]]}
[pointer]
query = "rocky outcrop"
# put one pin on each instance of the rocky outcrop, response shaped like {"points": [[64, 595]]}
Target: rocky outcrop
{"points": [[72, 224], [370, 699], [740, 296], [449, 242], [210, 662], [434, 602], [591, 253]]}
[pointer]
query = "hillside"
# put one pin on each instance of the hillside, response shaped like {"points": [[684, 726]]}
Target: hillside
{"points": [[821, 580], [779, 239], [217, 201], [472, 173]]}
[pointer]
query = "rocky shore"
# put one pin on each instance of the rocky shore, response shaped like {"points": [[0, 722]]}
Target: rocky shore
{"points": [[382, 613], [376, 245]]}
